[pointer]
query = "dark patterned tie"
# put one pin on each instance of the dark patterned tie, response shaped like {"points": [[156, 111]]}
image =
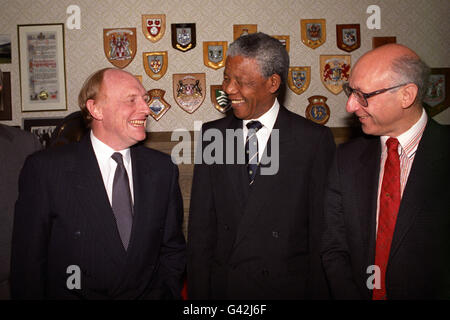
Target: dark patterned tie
{"points": [[251, 150], [389, 205], [121, 200]]}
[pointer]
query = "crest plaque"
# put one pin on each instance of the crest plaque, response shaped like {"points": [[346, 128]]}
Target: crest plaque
{"points": [[183, 36], [158, 106], [219, 98], [379, 41], [313, 32], [348, 36], [154, 26], [155, 64], [119, 46], [334, 71], [299, 79], [214, 54], [284, 41], [189, 90], [243, 29], [437, 94], [317, 110]]}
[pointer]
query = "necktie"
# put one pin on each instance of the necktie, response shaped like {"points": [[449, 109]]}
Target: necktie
{"points": [[389, 205], [251, 149], [121, 200]]}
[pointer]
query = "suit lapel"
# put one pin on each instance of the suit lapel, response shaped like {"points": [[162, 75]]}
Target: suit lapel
{"points": [[264, 183], [92, 196], [145, 198], [236, 172], [419, 181], [144, 218], [366, 184]]}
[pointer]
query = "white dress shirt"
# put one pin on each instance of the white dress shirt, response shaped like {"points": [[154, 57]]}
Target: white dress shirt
{"points": [[407, 147], [108, 166], [267, 120]]}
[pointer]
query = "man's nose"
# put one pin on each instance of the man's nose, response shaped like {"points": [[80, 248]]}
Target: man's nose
{"points": [[229, 87], [352, 104]]}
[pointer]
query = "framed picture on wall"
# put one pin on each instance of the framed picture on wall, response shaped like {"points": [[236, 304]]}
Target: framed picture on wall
{"points": [[437, 94], [43, 128], [5, 48], [5, 97], [42, 67]]}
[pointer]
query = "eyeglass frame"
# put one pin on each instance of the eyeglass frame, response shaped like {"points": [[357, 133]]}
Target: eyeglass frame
{"points": [[366, 96]]}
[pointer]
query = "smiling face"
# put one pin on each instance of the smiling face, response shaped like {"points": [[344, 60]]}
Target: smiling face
{"points": [[120, 110], [250, 93], [383, 111], [389, 113]]}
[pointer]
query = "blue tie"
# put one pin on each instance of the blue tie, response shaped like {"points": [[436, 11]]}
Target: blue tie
{"points": [[251, 150], [121, 200]]}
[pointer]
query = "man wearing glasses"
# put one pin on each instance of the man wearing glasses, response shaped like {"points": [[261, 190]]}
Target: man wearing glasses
{"points": [[388, 197]]}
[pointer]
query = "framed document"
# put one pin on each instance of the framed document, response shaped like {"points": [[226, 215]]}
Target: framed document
{"points": [[42, 67]]}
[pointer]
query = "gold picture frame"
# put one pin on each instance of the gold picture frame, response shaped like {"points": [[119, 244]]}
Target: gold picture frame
{"points": [[43, 71]]}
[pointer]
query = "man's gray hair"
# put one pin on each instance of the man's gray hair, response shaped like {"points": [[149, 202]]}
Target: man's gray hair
{"points": [[270, 54], [409, 69]]}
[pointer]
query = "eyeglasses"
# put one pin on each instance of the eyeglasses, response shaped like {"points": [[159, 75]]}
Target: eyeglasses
{"points": [[362, 97]]}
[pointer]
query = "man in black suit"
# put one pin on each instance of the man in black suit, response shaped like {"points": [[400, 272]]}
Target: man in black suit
{"points": [[15, 146], [100, 219], [387, 205], [253, 233]]}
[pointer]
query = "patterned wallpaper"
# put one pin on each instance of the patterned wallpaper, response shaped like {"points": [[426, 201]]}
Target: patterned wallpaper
{"points": [[420, 24]]}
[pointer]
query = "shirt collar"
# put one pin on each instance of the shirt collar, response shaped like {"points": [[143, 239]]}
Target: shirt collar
{"points": [[267, 119], [409, 139], [104, 152]]}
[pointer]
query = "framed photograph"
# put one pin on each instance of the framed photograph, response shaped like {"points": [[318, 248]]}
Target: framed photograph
{"points": [[5, 48], [42, 67], [43, 128], [5, 97], [437, 95]]}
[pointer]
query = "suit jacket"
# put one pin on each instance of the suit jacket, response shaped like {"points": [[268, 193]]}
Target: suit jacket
{"points": [[15, 146], [63, 218], [260, 242], [419, 255]]}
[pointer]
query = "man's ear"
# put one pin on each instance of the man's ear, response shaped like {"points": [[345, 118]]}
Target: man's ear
{"points": [[94, 109], [274, 82], [409, 95]]}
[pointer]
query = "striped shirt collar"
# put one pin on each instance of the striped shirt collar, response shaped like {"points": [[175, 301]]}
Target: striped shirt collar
{"points": [[409, 140]]}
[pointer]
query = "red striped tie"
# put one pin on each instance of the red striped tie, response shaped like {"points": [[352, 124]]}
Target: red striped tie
{"points": [[389, 205]]}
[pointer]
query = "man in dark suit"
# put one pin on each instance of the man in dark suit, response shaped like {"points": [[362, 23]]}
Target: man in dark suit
{"points": [[253, 233], [100, 219], [387, 205], [15, 146]]}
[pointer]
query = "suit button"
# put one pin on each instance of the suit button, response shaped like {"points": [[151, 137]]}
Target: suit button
{"points": [[77, 234], [265, 272], [275, 234], [226, 227]]}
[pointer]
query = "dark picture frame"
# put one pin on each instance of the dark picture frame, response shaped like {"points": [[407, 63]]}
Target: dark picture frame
{"points": [[5, 98], [5, 48], [43, 128]]}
